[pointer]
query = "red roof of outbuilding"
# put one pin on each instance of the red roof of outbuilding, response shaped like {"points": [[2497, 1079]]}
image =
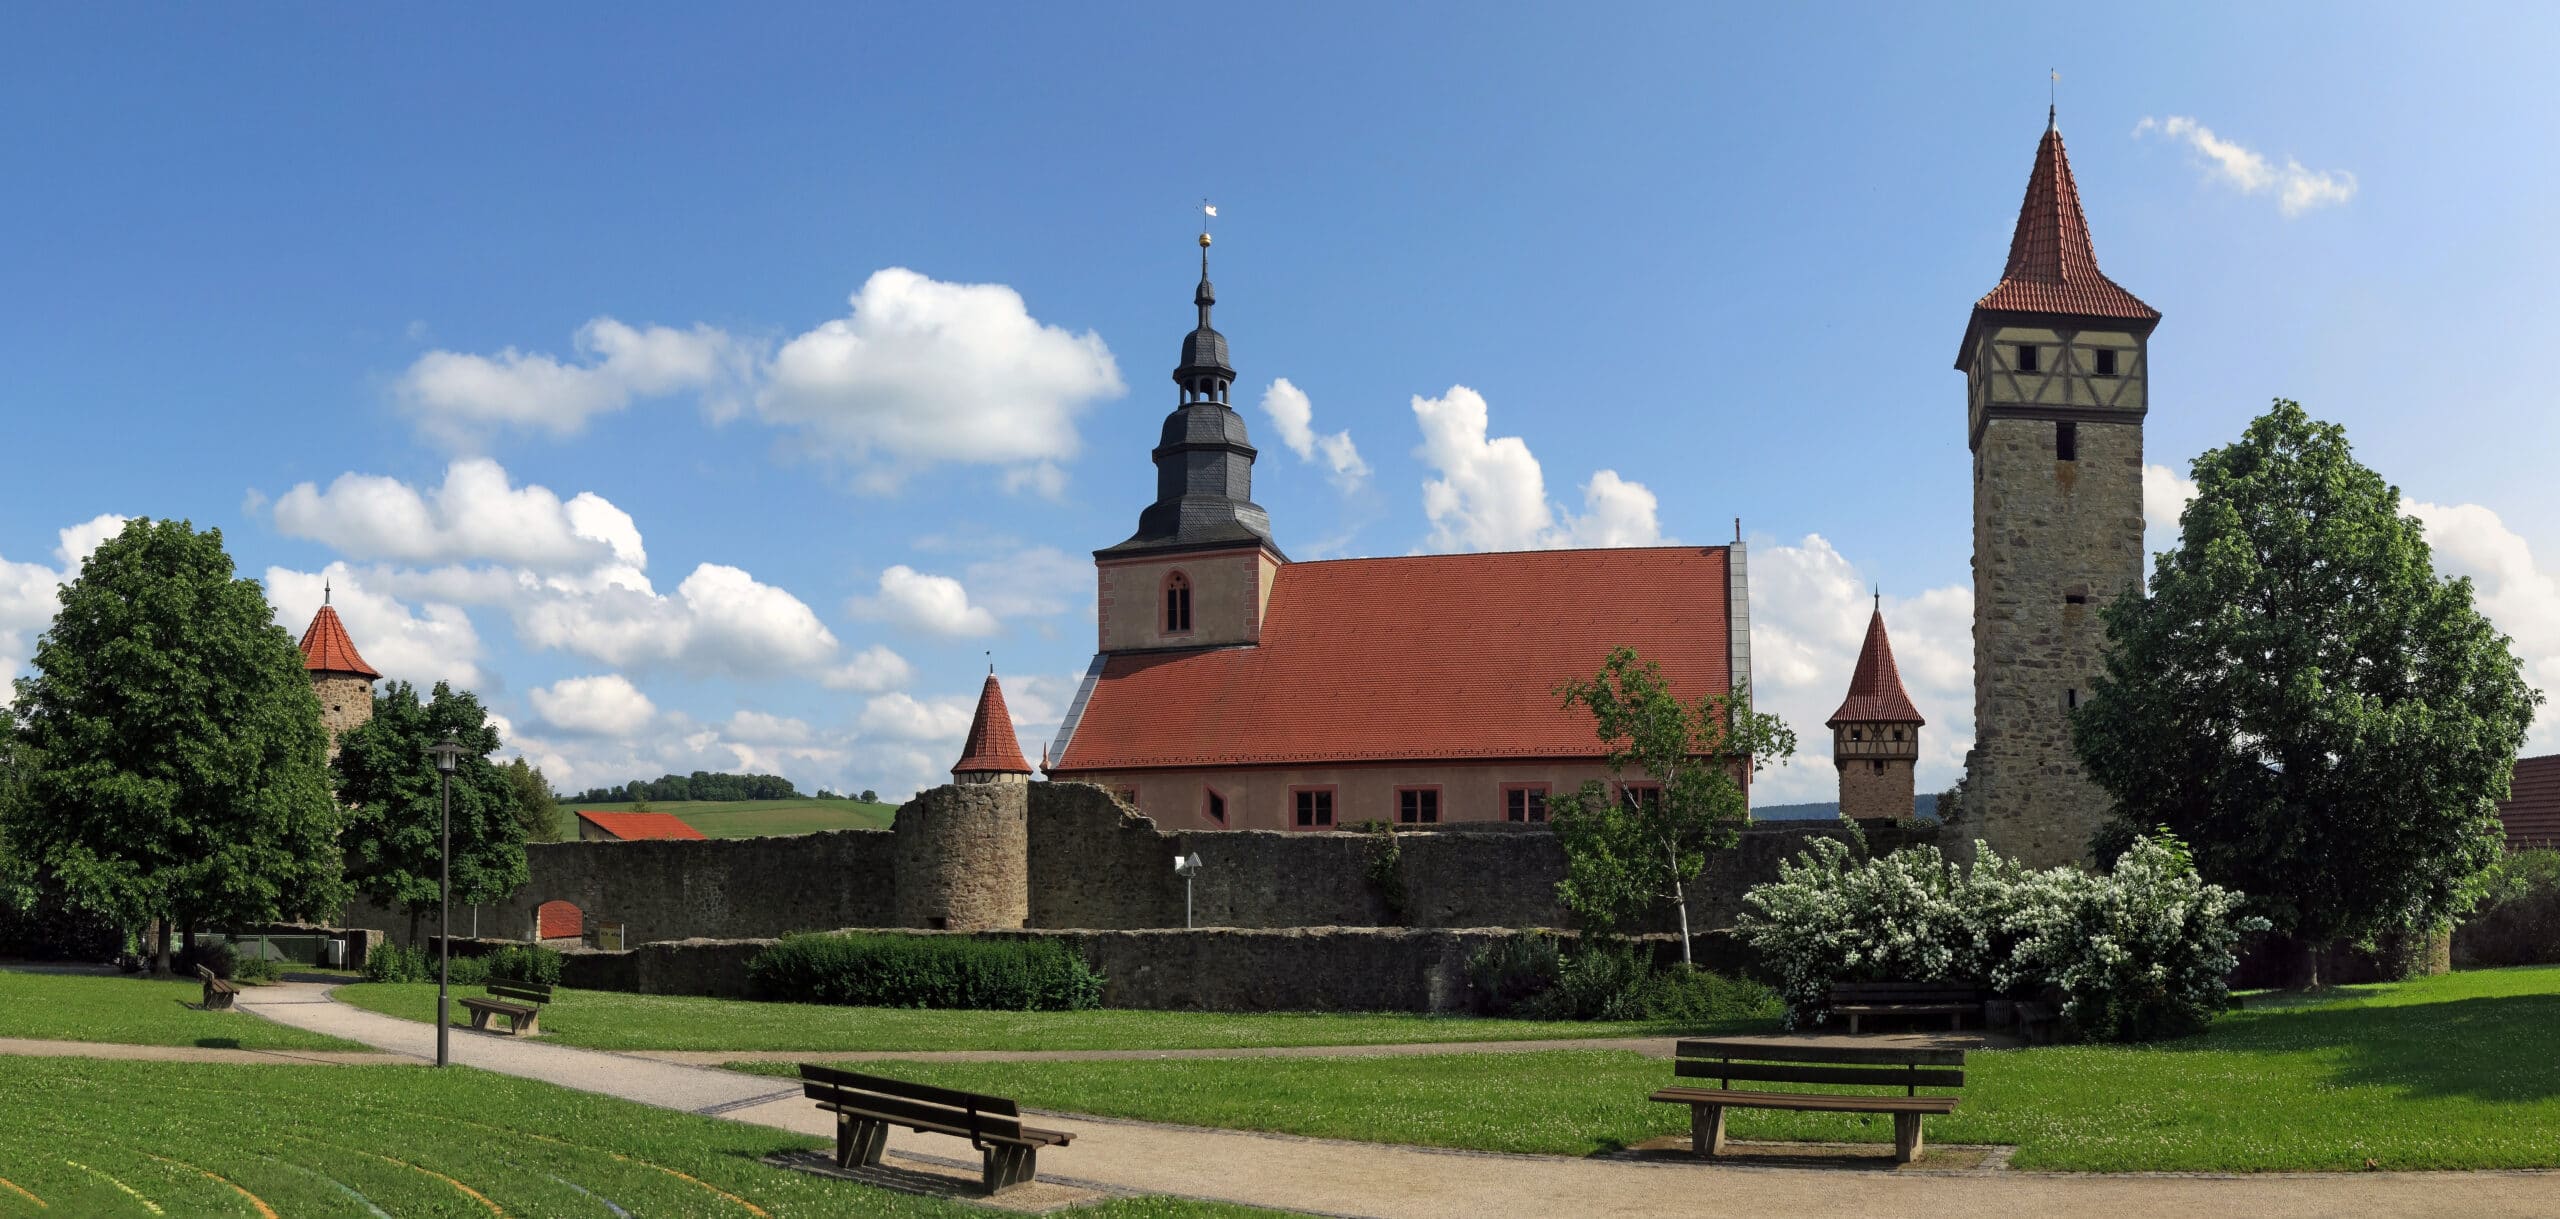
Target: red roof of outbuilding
{"points": [[2532, 807], [2053, 267], [1875, 686], [326, 648], [1430, 657], [992, 745], [632, 826]]}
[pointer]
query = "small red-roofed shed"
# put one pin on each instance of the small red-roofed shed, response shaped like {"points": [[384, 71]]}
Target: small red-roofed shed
{"points": [[632, 827]]}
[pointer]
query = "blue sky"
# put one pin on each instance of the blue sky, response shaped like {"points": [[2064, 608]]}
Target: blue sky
{"points": [[712, 388]]}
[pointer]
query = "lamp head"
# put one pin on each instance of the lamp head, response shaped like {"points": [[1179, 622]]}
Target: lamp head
{"points": [[448, 755]]}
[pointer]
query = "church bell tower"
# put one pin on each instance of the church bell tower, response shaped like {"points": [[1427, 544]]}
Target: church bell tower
{"points": [[2057, 378]]}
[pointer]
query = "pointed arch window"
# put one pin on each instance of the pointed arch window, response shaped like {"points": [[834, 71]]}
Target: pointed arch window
{"points": [[1177, 604]]}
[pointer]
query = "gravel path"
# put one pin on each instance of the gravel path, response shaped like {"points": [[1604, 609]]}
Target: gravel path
{"points": [[1331, 1177]]}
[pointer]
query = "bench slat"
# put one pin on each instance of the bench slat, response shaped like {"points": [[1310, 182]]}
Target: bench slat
{"points": [[913, 1091], [1030, 1137], [1874, 1077], [1901, 988], [518, 990], [1806, 1101], [1899, 1008], [476, 1003], [907, 1110], [1763, 1051]]}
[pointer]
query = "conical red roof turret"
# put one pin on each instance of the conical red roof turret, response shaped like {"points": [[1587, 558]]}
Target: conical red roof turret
{"points": [[992, 746], [1875, 687], [2053, 267], [326, 648]]}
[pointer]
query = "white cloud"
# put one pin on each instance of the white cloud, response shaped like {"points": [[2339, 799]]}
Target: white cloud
{"points": [[29, 594], [1293, 417], [720, 620], [1809, 612], [476, 516], [455, 396], [935, 605], [422, 646], [759, 728], [81, 539], [1491, 494], [608, 705], [2165, 495], [2511, 587], [905, 717], [872, 670], [924, 371], [1032, 581], [2296, 189]]}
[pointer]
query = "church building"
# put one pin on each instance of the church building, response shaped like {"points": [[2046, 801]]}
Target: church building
{"points": [[1236, 689]]}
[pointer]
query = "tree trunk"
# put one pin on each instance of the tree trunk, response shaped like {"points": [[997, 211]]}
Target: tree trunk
{"points": [[415, 914], [1680, 898], [2305, 971], [187, 937], [160, 952]]}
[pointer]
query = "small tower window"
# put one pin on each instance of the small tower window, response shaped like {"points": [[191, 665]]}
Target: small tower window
{"points": [[1853, 734], [1897, 734], [2071, 700], [1879, 764], [2103, 362], [2066, 442], [2027, 358], [1177, 603]]}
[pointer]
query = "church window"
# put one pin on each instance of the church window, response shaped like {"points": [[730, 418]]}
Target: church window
{"points": [[1177, 603], [1215, 806], [1524, 802], [1418, 805], [2027, 358], [2066, 441], [1314, 807], [2104, 360]]}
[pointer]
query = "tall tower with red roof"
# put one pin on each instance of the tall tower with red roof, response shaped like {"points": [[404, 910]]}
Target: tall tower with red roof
{"points": [[993, 753], [1875, 735], [2057, 380], [339, 675]]}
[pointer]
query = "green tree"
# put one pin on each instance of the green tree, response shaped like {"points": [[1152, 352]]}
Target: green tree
{"points": [[1627, 854], [537, 807], [394, 827], [2301, 699], [181, 770]]}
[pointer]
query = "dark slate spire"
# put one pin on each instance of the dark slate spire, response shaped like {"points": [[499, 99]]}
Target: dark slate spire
{"points": [[1204, 464]]}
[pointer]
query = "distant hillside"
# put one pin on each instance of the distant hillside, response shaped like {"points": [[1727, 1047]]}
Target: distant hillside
{"points": [[1922, 805], [758, 818]]}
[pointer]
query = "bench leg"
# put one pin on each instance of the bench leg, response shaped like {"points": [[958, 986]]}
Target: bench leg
{"points": [[858, 1142], [1906, 1137], [530, 1025], [1008, 1167], [1853, 1024], [480, 1018], [1706, 1130]]}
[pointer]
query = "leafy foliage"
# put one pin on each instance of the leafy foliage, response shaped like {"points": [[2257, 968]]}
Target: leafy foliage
{"points": [[393, 837], [531, 963], [1528, 974], [2518, 919], [178, 763], [1628, 853], [2303, 700], [537, 807], [700, 785], [1384, 866], [866, 970]]}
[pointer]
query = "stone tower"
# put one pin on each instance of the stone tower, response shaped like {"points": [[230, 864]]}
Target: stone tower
{"points": [[962, 852], [2056, 384], [1198, 571], [1875, 735], [339, 676]]}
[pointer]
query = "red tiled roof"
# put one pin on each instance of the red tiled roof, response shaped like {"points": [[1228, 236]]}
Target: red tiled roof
{"points": [[1875, 686], [559, 921], [1429, 657], [2532, 807], [633, 826], [326, 648], [992, 744], [2053, 268]]}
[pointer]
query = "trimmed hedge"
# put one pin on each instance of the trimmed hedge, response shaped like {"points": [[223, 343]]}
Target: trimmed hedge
{"points": [[874, 970]]}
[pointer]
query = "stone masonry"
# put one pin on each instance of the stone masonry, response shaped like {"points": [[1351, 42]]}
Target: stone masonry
{"points": [[963, 858], [346, 703]]}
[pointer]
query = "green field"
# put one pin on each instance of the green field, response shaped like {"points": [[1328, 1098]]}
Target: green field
{"points": [[92, 1138], [137, 1011], [611, 1020], [2446, 1072], [760, 818]]}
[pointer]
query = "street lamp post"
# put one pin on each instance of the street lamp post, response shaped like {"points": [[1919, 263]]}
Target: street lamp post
{"points": [[448, 754]]}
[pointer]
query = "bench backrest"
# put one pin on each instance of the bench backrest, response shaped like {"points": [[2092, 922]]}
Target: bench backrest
{"points": [[974, 1114], [1763, 1062], [522, 992], [1903, 992], [206, 973]]}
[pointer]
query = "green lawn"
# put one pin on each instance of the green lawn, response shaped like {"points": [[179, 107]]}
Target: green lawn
{"points": [[137, 1011], [91, 1138], [2449, 1072], [760, 818], [610, 1020]]}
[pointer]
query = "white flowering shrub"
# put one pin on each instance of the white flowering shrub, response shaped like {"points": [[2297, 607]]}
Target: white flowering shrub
{"points": [[2137, 954]]}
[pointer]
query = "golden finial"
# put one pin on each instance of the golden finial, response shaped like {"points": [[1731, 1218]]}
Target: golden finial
{"points": [[1208, 212]]}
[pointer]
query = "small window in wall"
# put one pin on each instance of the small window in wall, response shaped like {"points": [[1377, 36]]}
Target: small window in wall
{"points": [[1879, 764], [1525, 802], [1215, 807], [2103, 362], [1177, 603], [2066, 442], [1314, 807], [1418, 805], [2071, 700], [1126, 795], [1853, 734], [1897, 734], [1641, 795], [2027, 358], [2075, 599]]}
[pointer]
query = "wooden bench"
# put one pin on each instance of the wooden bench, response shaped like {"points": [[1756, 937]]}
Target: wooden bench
{"points": [[1764, 1062], [1858, 999], [218, 994], [867, 1105], [520, 1002]]}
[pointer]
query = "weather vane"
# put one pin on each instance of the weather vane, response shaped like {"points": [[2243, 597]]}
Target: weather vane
{"points": [[1208, 212], [2052, 93]]}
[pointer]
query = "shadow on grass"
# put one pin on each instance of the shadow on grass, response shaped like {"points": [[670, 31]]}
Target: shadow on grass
{"points": [[2489, 1048]]}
